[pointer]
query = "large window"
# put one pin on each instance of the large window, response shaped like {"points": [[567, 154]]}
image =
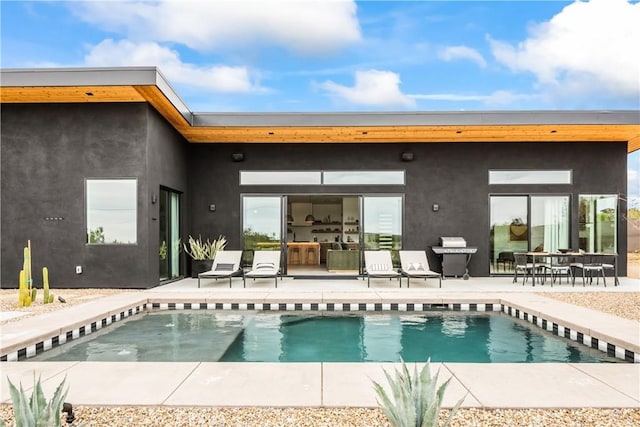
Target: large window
{"points": [[598, 223], [111, 211]]}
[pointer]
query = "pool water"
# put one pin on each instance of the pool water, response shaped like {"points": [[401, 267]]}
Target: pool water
{"points": [[177, 336]]}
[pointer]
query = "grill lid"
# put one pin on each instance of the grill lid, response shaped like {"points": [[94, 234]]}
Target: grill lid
{"points": [[453, 242]]}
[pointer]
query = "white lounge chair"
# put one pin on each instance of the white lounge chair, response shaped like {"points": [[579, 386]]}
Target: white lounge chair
{"points": [[226, 264], [266, 264], [379, 264], [415, 264]]}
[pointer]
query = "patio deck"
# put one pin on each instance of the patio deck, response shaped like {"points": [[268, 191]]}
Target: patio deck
{"points": [[548, 385]]}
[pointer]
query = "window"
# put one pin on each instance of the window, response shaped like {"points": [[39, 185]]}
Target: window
{"points": [[322, 178], [280, 178], [363, 178], [111, 211], [529, 177]]}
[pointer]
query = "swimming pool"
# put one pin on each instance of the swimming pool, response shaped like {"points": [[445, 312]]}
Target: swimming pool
{"points": [[248, 336]]}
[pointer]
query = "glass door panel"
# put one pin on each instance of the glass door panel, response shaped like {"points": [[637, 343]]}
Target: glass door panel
{"points": [[549, 223], [598, 223], [509, 231], [382, 222], [169, 238], [262, 222]]}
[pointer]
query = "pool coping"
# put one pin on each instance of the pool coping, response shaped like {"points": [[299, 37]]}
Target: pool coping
{"points": [[322, 384], [619, 338]]}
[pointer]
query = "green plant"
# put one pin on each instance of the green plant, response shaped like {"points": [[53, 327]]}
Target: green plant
{"points": [[417, 399], [97, 235], [200, 250], [35, 411], [163, 250]]}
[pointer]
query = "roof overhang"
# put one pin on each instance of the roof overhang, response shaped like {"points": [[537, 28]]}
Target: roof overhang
{"points": [[147, 84]]}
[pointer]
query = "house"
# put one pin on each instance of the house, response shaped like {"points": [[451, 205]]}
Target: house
{"points": [[106, 171]]}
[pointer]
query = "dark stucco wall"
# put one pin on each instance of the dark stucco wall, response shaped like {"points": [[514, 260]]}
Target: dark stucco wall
{"points": [[167, 168], [47, 153], [453, 175]]}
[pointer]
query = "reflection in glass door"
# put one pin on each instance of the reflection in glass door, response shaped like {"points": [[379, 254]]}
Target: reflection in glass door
{"points": [[382, 222], [598, 223], [262, 222], [509, 231], [526, 223], [549, 223], [169, 242]]}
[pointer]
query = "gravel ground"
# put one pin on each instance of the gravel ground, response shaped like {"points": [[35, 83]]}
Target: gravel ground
{"points": [[343, 417], [623, 304]]}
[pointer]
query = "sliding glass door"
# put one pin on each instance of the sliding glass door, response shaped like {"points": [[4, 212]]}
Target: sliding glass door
{"points": [[382, 222], [169, 241], [526, 223], [598, 223], [262, 222]]}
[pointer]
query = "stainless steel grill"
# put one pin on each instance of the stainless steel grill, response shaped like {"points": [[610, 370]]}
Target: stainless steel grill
{"points": [[455, 256]]}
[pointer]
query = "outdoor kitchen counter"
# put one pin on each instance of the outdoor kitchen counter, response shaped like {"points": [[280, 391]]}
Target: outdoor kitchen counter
{"points": [[303, 253]]}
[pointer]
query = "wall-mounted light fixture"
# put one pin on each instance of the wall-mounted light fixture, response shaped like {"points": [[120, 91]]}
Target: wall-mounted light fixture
{"points": [[154, 199], [237, 157], [212, 207], [407, 156], [435, 207]]}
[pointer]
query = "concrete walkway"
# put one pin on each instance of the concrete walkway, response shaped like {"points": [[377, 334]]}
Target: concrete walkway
{"points": [[495, 385]]}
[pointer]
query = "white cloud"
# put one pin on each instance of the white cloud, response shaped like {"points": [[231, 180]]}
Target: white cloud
{"points": [[220, 78], [451, 53], [308, 27], [500, 97], [372, 88], [589, 48]]}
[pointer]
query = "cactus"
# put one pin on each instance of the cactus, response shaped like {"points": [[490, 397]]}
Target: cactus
{"points": [[22, 296], [47, 297]]}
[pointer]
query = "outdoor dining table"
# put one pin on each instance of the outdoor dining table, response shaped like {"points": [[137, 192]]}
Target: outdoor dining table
{"points": [[539, 259]]}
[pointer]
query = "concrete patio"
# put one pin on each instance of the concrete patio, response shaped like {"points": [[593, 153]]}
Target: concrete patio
{"points": [[547, 385]]}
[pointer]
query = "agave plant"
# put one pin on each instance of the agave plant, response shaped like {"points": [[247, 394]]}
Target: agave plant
{"points": [[417, 400], [35, 411], [199, 250]]}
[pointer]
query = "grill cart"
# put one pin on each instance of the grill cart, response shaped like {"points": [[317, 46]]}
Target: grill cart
{"points": [[455, 256]]}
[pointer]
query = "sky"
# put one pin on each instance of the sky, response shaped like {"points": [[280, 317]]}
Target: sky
{"points": [[339, 55]]}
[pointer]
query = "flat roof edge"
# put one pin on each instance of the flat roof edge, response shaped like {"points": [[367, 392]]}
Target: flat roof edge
{"points": [[94, 76], [422, 118]]}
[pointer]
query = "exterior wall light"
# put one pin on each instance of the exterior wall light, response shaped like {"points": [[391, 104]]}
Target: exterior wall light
{"points": [[237, 157], [407, 156]]}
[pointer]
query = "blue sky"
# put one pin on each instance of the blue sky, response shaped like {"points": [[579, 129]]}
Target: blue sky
{"points": [[332, 55]]}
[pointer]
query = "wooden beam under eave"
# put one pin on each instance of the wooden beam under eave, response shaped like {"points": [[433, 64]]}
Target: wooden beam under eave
{"points": [[159, 101], [409, 134], [72, 94], [633, 144]]}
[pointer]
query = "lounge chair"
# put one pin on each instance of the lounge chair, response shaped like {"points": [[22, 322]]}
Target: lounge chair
{"points": [[379, 264], [266, 264], [226, 264], [415, 264]]}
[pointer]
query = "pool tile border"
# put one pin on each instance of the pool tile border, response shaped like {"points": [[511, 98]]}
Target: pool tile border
{"points": [[581, 337]]}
